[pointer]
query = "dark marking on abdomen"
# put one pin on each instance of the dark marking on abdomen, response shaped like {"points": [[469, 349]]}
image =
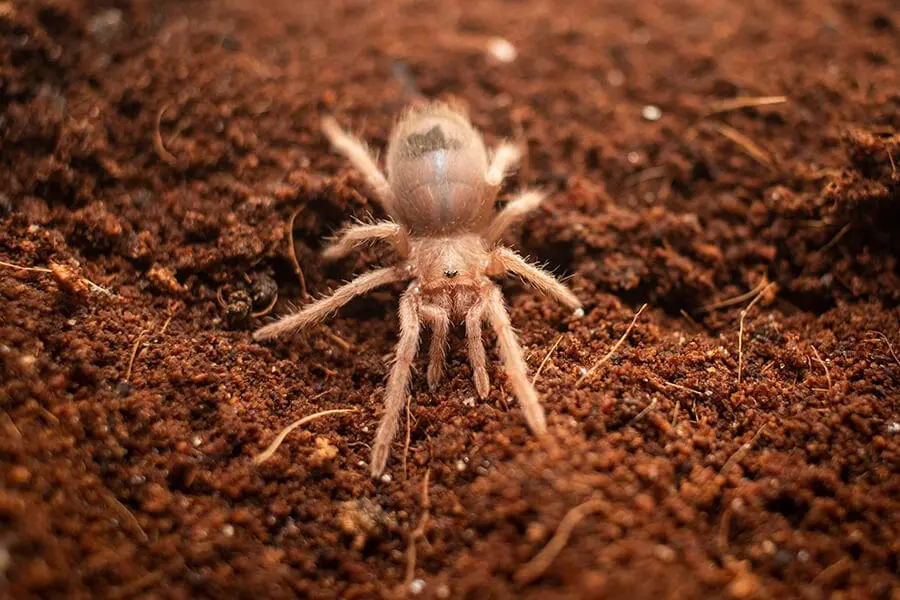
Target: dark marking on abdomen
{"points": [[432, 140]]}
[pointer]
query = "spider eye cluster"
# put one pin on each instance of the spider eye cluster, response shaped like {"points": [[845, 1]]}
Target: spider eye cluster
{"points": [[450, 274]]}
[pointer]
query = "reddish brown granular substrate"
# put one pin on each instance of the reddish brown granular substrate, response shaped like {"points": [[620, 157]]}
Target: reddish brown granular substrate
{"points": [[122, 483]]}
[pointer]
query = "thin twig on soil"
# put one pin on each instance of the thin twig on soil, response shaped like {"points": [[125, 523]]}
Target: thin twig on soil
{"points": [[688, 318], [23, 268], [824, 366], [220, 299], [835, 239], [11, 423], [724, 531], [328, 372], [273, 447], [321, 394], [754, 150], [94, 286], [612, 351], [419, 531], [140, 343], [889, 345], [893, 165], [737, 299], [546, 358], [740, 452], [294, 260], [645, 175], [835, 568], [134, 352], [338, 340], [731, 104], [174, 308], [158, 145], [408, 434], [536, 567], [123, 511], [741, 332], [162, 330], [51, 418], [643, 413], [682, 387]]}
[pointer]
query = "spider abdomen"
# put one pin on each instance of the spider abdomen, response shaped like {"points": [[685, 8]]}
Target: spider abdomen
{"points": [[436, 164]]}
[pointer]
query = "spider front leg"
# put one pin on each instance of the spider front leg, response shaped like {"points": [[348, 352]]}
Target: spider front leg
{"points": [[514, 362], [514, 211], [439, 320], [504, 260], [477, 358], [356, 152], [398, 381], [354, 236], [505, 157], [318, 311]]}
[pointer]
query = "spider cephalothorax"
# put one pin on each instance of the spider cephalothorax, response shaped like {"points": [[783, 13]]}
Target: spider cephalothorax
{"points": [[439, 194]]}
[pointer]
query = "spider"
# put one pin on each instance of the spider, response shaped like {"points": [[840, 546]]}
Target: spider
{"points": [[439, 194]]}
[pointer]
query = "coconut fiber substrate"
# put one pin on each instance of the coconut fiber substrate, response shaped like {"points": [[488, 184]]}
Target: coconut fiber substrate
{"points": [[733, 165]]}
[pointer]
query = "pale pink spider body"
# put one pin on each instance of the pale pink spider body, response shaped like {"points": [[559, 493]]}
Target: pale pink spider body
{"points": [[439, 193], [436, 165]]}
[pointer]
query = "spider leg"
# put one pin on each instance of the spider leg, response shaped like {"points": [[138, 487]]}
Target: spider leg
{"points": [[356, 152], [354, 236], [514, 363], [505, 157], [504, 260], [477, 358], [398, 381], [439, 320], [514, 211], [319, 310]]}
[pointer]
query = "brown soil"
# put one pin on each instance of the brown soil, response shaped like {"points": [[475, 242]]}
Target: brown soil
{"points": [[158, 149]]}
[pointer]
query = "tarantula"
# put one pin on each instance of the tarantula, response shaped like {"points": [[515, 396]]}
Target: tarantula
{"points": [[439, 194]]}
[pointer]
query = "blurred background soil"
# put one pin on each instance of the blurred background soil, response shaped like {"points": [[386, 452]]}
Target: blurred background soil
{"points": [[159, 150]]}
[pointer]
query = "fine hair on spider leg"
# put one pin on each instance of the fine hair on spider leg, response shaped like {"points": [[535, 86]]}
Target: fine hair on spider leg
{"points": [[360, 235], [438, 320], [505, 158], [514, 212], [320, 310], [508, 261], [439, 190], [398, 381], [475, 343], [514, 362]]}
